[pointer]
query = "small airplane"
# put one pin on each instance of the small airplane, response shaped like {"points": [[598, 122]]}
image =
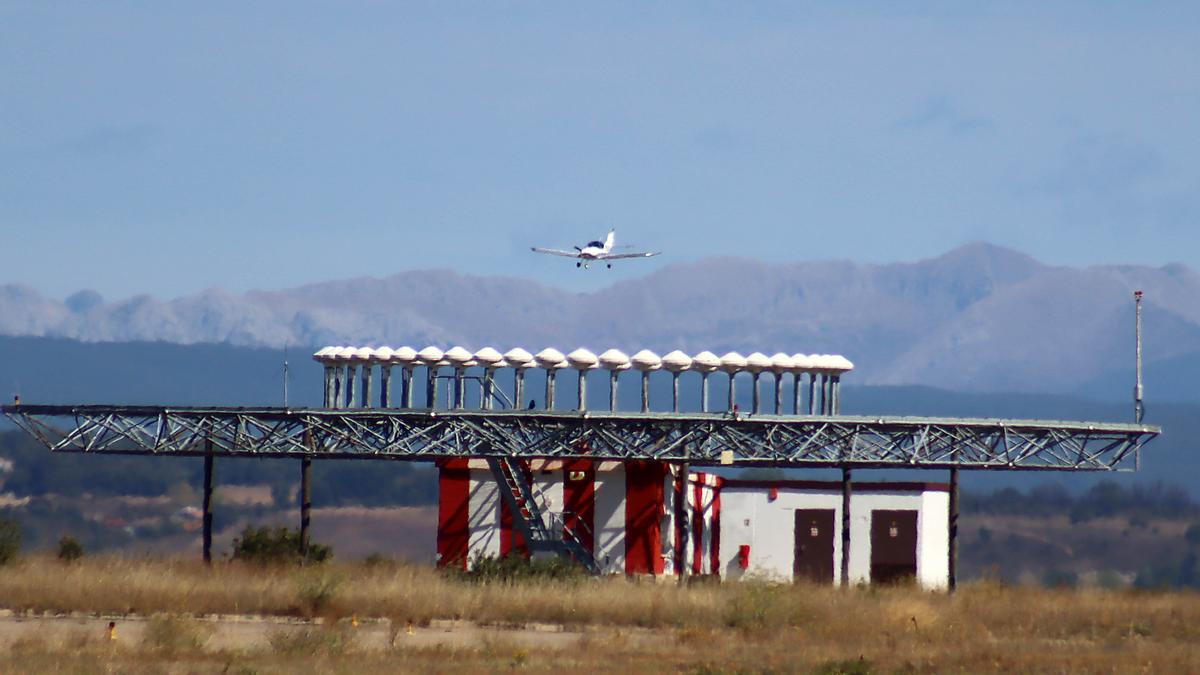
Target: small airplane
{"points": [[595, 251]]}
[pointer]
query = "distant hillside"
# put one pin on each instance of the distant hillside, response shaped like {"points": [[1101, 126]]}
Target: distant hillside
{"points": [[979, 318], [65, 371]]}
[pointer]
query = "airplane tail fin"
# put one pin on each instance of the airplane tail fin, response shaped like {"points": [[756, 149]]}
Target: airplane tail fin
{"points": [[608, 241]]}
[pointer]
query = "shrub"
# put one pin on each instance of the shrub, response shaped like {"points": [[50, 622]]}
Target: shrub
{"points": [[10, 540], [517, 567], [276, 546], [310, 641], [171, 633], [69, 549]]}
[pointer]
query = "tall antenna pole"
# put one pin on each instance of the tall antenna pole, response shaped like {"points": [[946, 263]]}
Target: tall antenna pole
{"points": [[285, 375], [1139, 410]]}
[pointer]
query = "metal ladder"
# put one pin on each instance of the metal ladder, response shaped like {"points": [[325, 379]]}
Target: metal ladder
{"points": [[517, 493]]}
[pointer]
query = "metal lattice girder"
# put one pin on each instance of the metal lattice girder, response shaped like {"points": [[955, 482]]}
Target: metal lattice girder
{"points": [[701, 439]]}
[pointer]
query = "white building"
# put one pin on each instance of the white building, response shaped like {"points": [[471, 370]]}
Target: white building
{"points": [[632, 518]]}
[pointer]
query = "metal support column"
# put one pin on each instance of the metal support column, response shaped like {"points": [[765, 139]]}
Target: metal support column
{"points": [[327, 401], [367, 376], [846, 491], [756, 396], [551, 376], [732, 390], [645, 391], [519, 387], [460, 388], [406, 386], [613, 376], [305, 502], [704, 391], [835, 388], [797, 382], [581, 400], [953, 559], [1139, 409], [778, 393], [385, 386], [351, 370], [489, 388], [823, 404], [674, 391], [431, 386], [339, 377], [207, 506], [812, 393]]}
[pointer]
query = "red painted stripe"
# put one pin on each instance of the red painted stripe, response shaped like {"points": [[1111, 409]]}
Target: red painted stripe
{"points": [[698, 524], [643, 510], [579, 501], [453, 535], [679, 494], [715, 551]]}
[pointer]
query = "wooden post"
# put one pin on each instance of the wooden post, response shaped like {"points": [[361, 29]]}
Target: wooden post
{"points": [[953, 561], [846, 490], [206, 537], [305, 502]]}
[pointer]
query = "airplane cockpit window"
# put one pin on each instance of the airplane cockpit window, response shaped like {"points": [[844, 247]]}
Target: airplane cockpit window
{"points": [[595, 244]]}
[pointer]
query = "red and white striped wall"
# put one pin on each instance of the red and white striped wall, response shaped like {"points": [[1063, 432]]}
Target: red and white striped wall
{"points": [[620, 511]]}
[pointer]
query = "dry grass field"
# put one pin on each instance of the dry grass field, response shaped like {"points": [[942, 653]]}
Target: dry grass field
{"points": [[613, 624]]}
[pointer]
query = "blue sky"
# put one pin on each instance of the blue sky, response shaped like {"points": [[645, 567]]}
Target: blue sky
{"points": [[171, 147]]}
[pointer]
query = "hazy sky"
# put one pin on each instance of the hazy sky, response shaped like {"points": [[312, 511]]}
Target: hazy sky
{"points": [[170, 147]]}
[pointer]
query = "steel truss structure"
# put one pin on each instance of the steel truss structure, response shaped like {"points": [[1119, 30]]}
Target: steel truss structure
{"points": [[700, 439]]}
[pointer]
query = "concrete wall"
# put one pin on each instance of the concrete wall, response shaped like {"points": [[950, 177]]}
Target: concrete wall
{"points": [[750, 517]]}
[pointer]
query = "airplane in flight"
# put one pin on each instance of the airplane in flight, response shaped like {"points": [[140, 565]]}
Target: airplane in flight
{"points": [[595, 251]]}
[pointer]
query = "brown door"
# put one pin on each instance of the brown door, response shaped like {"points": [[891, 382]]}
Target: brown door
{"points": [[814, 545], [893, 546]]}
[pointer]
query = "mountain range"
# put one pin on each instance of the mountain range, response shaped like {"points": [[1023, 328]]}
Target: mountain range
{"points": [[978, 318]]}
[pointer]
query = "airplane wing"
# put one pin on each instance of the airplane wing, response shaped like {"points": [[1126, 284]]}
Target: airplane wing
{"points": [[620, 256], [554, 251]]}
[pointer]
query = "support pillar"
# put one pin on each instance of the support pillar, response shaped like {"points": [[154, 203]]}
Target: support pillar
{"points": [[846, 492], [385, 386], [732, 390], [812, 393], [778, 393], [704, 391], [550, 382], [953, 559], [613, 377], [207, 506], [519, 388], [645, 391], [489, 388], [756, 396], [674, 391], [351, 370], [406, 387], [366, 384], [339, 377], [431, 386], [797, 383], [823, 405], [582, 393], [327, 401], [835, 387], [305, 502], [460, 388]]}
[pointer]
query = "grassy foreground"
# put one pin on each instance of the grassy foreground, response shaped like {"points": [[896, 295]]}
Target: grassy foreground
{"points": [[627, 625]]}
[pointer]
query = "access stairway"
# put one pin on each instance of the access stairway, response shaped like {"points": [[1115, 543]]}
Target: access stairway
{"points": [[529, 519]]}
